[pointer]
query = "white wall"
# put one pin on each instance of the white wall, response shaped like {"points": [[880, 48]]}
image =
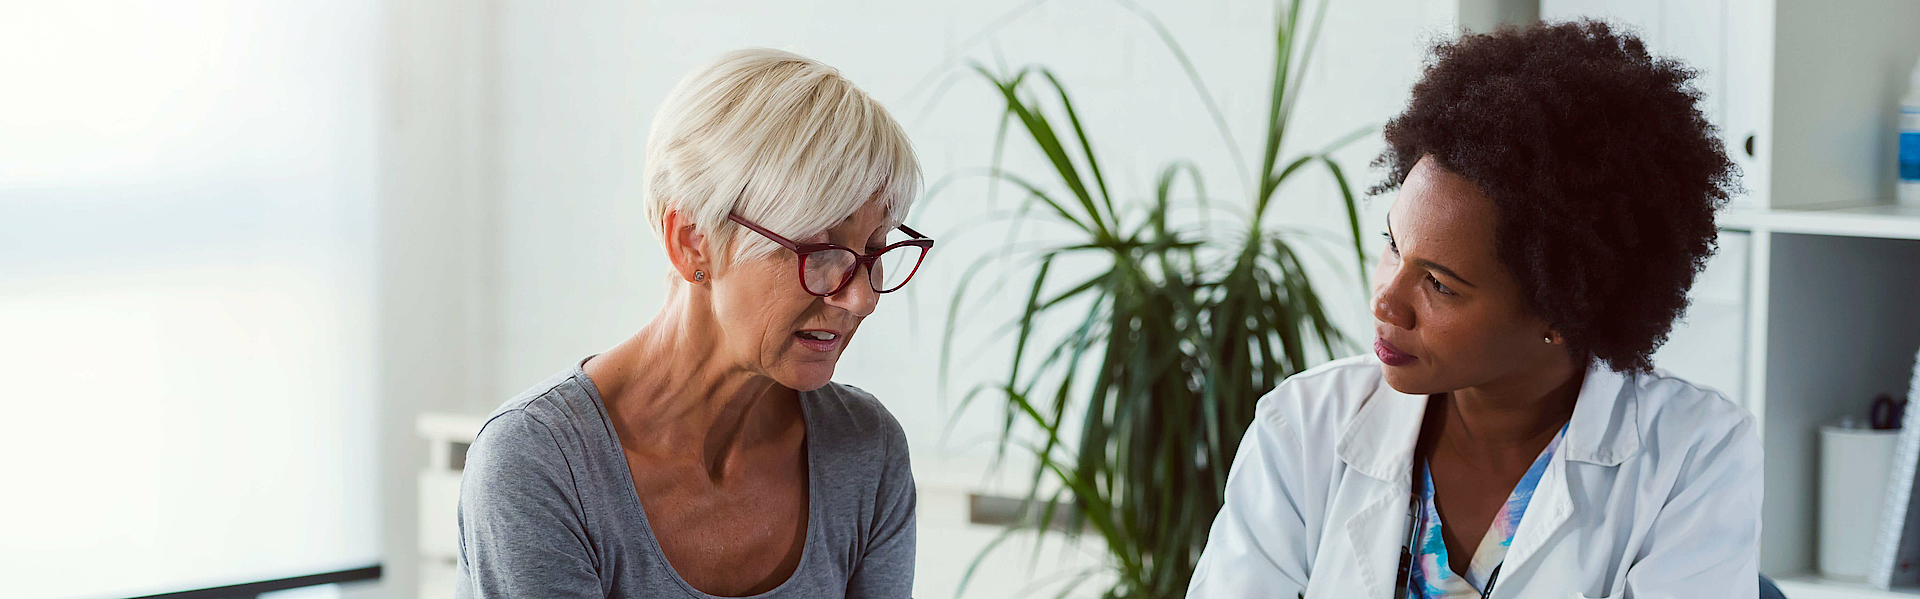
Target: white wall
{"points": [[524, 125]]}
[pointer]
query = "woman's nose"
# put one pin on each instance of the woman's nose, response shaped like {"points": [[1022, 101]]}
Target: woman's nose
{"points": [[1388, 306], [858, 296]]}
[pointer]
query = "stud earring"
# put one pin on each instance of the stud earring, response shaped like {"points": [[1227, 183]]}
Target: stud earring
{"points": [[1548, 339], [699, 275]]}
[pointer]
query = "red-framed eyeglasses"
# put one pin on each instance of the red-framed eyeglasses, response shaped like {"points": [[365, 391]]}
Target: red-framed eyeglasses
{"points": [[826, 268]]}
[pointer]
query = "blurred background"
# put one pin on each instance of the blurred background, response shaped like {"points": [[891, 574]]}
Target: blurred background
{"points": [[265, 264]]}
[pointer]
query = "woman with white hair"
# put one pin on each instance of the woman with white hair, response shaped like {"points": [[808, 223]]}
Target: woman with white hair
{"points": [[710, 454]]}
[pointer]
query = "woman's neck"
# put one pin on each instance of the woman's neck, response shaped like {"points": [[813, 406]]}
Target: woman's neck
{"points": [[1516, 415], [672, 395]]}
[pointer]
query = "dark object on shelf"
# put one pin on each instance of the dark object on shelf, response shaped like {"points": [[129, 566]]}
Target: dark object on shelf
{"points": [[1768, 591], [1886, 412]]}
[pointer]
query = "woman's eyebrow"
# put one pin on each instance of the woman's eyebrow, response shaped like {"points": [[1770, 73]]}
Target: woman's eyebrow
{"points": [[1429, 264]]}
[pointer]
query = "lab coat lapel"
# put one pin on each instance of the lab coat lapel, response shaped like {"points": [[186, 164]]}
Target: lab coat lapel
{"points": [[1379, 444], [1375, 533], [1604, 431], [1550, 508]]}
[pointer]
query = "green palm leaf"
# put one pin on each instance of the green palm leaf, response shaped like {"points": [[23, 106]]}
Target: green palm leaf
{"points": [[1135, 412]]}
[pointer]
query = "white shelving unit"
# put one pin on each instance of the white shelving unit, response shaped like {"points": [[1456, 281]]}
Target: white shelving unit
{"points": [[1832, 269], [1837, 323]]}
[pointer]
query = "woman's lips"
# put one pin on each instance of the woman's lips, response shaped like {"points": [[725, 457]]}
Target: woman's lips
{"points": [[1390, 355], [807, 339]]}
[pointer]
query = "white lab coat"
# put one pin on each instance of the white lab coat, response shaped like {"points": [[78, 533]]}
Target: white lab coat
{"points": [[1654, 493]]}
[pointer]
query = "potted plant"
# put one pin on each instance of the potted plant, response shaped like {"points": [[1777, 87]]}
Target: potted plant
{"points": [[1173, 338]]}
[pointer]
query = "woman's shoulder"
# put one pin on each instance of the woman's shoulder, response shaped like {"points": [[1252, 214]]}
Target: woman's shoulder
{"points": [[1324, 397], [844, 413], [552, 416], [857, 445], [1674, 409], [1667, 391]]}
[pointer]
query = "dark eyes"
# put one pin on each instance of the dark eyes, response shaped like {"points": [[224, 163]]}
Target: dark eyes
{"points": [[1431, 281]]}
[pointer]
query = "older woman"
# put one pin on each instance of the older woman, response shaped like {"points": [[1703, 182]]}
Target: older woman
{"points": [[710, 454], [1509, 436]]}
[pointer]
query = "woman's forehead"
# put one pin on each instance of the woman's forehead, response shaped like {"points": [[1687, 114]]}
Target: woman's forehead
{"points": [[1441, 213]]}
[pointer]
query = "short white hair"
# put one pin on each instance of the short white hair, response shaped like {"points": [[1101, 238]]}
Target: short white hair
{"points": [[780, 139]]}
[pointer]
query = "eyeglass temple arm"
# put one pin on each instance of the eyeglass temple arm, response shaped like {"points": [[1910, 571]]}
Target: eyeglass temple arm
{"points": [[784, 242]]}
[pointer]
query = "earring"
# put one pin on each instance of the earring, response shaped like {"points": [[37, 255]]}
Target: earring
{"points": [[1548, 339], [699, 275]]}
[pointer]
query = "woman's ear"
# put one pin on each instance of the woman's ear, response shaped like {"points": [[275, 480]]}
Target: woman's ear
{"points": [[687, 248]]}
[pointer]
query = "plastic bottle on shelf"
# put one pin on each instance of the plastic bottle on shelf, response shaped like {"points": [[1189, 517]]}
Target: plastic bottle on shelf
{"points": [[1910, 142]]}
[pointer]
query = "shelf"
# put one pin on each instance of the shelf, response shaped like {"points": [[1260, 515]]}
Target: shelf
{"points": [[1810, 586], [1887, 221]]}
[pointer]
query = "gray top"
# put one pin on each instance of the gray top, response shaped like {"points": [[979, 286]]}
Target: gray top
{"points": [[548, 508]]}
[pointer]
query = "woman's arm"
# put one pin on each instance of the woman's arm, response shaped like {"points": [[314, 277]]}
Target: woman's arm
{"points": [[1705, 542], [886, 569], [521, 534], [1258, 545]]}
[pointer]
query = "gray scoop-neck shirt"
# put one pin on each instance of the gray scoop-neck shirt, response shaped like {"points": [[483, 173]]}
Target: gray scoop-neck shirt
{"points": [[548, 508]]}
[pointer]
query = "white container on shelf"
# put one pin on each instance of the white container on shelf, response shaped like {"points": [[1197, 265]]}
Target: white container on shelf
{"points": [[1854, 464]]}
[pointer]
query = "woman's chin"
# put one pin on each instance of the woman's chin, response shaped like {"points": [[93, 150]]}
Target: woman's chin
{"points": [[1408, 380], [806, 377]]}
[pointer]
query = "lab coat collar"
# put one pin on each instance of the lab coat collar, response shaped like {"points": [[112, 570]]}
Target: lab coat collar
{"points": [[1603, 430], [1379, 444]]}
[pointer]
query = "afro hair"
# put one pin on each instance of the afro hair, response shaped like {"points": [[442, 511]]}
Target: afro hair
{"points": [[1603, 170]]}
